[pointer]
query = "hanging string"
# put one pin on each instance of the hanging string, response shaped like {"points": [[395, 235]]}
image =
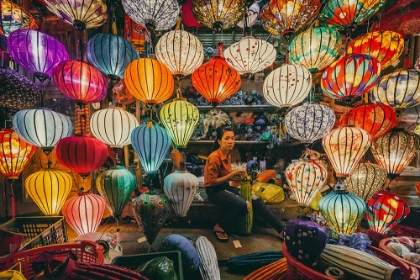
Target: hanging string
{"points": [[81, 46]]}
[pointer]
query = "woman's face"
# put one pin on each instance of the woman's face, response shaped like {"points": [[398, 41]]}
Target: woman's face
{"points": [[228, 140]]}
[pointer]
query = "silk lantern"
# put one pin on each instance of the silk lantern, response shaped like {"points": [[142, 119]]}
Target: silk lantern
{"points": [[385, 210], [84, 212], [250, 55], [350, 76], [400, 89], [287, 85], [36, 52], [49, 189], [395, 150], [80, 81], [14, 18], [111, 54], [151, 143], [179, 117], [180, 51], [375, 119], [345, 147], [42, 127], [268, 21], [149, 80], [251, 16], [315, 48], [216, 80], [188, 17], [309, 122], [365, 180], [116, 186]]}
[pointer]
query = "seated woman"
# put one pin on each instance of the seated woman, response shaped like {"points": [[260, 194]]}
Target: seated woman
{"points": [[217, 174]]}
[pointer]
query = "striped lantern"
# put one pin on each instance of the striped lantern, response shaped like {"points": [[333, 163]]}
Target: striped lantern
{"points": [[42, 127], [209, 265], [287, 85]]}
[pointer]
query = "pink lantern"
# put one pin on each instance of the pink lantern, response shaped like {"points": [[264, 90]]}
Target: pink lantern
{"points": [[188, 16]]}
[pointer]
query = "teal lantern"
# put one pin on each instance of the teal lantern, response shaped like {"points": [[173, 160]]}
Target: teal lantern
{"points": [[116, 186], [151, 143]]}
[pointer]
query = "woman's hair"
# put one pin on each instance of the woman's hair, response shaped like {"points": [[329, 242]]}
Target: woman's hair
{"points": [[220, 131]]}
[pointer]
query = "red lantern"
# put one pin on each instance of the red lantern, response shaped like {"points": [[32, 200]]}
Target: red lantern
{"points": [[188, 16], [376, 119], [81, 154]]}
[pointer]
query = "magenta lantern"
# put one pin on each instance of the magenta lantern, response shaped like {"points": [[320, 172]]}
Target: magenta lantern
{"points": [[188, 16]]}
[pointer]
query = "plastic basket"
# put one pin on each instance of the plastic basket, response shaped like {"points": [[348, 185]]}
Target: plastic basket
{"points": [[39, 231], [134, 261], [86, 251]]}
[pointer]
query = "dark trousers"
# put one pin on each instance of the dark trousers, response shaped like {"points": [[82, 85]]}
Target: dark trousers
{"points": [[233, 206]]}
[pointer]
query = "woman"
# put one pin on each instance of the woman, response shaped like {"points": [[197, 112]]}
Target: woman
{"points": [[217, 174]]}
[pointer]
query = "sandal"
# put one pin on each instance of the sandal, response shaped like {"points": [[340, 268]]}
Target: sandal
{"points": [[221, 235]]}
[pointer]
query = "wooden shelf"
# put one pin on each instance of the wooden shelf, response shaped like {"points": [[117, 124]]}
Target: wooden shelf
{"points": [[238, 142], [240, 108]]}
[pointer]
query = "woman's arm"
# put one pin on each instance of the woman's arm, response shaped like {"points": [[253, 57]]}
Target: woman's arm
{"points": [[212, 174]]}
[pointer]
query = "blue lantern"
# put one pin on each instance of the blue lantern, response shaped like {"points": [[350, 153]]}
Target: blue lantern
{"points": [[111, 54], [151, 143]]}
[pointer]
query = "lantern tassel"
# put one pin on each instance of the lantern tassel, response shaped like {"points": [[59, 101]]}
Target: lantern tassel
{"points": [[12, 195]]}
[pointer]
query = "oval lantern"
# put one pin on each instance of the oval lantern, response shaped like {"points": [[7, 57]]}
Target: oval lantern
{"points": [[385, 46], [42, 127], [287, 85], [84, 212], [188, 17], [151, 143], [350, 76], [14, 18], [36, 52], [49, 189], [149, 80], [113, 126], [180, 187], [305, 178], [252, 13], [80, 81], [315, 48], [116, 186], [365, 180], [110, 54], [81, 154], [180, 51], [345, 147], [309, 122], [269, 21], [400, 89], [375, 119], [385, 210], [216, 80], [179, 117]]}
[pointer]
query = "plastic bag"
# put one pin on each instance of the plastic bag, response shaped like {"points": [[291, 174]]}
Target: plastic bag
{"points": [[160, 268], [269, 193]]}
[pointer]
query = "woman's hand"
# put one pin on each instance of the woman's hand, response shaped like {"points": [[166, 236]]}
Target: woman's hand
{"points": [[237, 175]]}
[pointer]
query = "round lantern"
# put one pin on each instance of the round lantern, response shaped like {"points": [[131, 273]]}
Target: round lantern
{"points": [[395, 150], [149, 80], [113, 126], [385, 46], [36, 52], [375, 119], [14, 17], [151, 143], [342, 211], [251, 17], [84, 212], [116, 186], [216, 80], [188, 16], [84, 14], [269, 21], [81, 154], [294, 16], [385, 210], [400, 89], [179, 117], [250, 55], [309, 122], [365, 180], [305, 178], [351, 75], [110, 54], [180, 51], [345, 147], [49, 189], [42, 127], [155, 15], [315, 48], [218, 14], [287, 85], [80, 81], [180, 187]]}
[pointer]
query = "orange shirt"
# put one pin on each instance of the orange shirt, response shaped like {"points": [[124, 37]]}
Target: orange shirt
{"points": [[217, 165]]}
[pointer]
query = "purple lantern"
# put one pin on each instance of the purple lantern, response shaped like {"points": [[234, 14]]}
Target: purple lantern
{"points": [[36, 52]]}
